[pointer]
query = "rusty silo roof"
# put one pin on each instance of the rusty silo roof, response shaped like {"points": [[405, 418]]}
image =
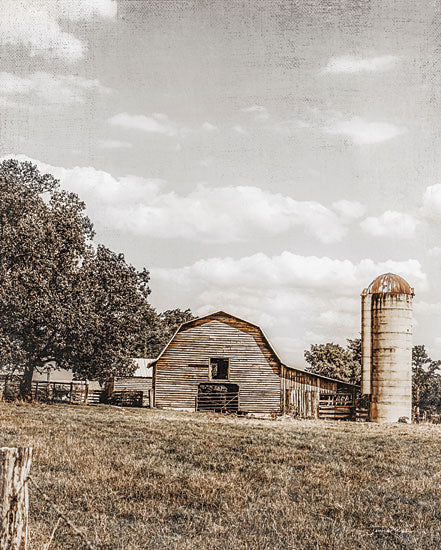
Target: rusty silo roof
{"points": [[389, 283]]}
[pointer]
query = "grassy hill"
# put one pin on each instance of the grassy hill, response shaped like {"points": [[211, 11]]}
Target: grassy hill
{"points": [[141, 479]]}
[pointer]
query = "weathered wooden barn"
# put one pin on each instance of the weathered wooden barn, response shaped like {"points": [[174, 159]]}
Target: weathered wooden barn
{"points": [[220, 362]]}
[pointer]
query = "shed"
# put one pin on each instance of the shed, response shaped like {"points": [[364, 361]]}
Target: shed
{"points": [[135, 389], [222, 362]]}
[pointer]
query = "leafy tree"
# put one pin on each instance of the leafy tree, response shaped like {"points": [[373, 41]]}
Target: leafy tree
{"points": [[334, 361], [60, 298], [426, 381], [163, 330], [111, 315], [354, 348]]}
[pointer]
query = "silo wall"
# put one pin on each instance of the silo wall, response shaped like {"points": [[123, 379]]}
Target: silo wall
{"points": [[366, 343], [391, 378]]}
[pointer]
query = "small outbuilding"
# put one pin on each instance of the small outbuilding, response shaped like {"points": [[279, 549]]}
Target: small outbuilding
{"points": [[222, 363]]}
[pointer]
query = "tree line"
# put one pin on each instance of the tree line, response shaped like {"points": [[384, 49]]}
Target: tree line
{"points": [[344, 363], [64, 298]]}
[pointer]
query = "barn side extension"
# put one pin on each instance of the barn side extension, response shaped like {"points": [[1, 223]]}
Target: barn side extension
{"points": [[222, 363]]}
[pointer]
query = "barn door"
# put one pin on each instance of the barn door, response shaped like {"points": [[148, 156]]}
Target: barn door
{"points": [[218, 397]]}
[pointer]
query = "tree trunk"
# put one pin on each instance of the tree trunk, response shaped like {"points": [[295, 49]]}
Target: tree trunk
{"points": [[14, 471], [26, 382]]}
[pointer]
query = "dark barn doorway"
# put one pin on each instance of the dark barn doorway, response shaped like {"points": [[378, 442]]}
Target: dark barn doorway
{"points": [[218, 397]]}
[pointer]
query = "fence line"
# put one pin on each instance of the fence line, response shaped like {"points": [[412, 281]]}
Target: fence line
{"points": [[77, 392]]}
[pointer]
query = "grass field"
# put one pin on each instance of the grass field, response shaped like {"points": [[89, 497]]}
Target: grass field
{"points": [[142, 479]]}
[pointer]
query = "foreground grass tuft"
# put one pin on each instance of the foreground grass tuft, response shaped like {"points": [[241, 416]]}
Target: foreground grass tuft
{"points": [[141, 479]]}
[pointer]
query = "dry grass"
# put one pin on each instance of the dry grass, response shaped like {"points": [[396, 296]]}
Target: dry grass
{"points": [[140, 479]]}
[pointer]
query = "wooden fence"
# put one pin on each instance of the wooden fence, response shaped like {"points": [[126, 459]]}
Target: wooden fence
{"points": [[52, 392], [76, 392], [342, 406], [220, 402]]}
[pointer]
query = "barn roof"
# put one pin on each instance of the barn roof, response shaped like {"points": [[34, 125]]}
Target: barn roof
{"points": [[143, 367], [224, 314]]}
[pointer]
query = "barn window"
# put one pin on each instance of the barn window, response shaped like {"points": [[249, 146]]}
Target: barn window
{"points": [[219, 368]]}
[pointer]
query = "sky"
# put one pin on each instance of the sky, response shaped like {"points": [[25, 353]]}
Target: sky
{"points": [[268, 158]]}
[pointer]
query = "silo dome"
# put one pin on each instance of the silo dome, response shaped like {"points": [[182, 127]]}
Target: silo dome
{"points": [[389, 283]]}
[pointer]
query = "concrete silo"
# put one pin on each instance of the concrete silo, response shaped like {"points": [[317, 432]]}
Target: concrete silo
{"points": [[386, 345]]}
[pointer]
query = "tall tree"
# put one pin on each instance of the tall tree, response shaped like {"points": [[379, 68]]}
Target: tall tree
{"points": [[426, 381], [60, 298]]}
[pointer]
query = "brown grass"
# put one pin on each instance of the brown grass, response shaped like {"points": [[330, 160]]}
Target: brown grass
{"points": [[140, 479]]}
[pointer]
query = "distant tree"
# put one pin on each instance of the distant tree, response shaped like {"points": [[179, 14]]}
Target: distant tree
{"points": [[334, 361], [164, 328], [60, 298], [426, 381]]}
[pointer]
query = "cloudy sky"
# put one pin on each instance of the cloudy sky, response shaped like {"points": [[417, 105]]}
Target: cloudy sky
{"points": [[264, 157]]}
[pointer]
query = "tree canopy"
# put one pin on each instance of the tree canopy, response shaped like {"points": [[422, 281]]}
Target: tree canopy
{"points": [[162, 331], [335, 361], [426, 381], [61, 297]]}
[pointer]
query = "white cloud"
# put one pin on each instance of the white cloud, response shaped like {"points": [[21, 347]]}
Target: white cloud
{"points": [[432, 202], [240, 129], [363, 132], [227, 214], [48, 88], [37, 25], [357, 64], [259, 112], [114, 144], [208, 127], [336, 277], [157, 123], [211, 214], [349, 209], [390, 224]]}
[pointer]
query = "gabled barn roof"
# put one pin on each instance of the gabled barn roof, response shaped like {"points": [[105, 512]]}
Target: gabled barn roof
{"points": [[219, 314]]}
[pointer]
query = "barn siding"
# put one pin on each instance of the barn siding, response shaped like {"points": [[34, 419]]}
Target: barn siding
{"points": [[128, 383], [184, 365]]}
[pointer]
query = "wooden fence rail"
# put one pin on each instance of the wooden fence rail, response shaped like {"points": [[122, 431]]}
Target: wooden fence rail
{"points": [[15, 465], [75, 392]]}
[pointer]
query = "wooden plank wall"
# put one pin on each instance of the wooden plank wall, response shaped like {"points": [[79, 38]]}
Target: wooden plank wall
{"points": [[131, 384], [184, 365], [301, 392]]}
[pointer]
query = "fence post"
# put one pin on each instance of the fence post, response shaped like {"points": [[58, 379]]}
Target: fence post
{"points": [[15, 464], [151, 398]]}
